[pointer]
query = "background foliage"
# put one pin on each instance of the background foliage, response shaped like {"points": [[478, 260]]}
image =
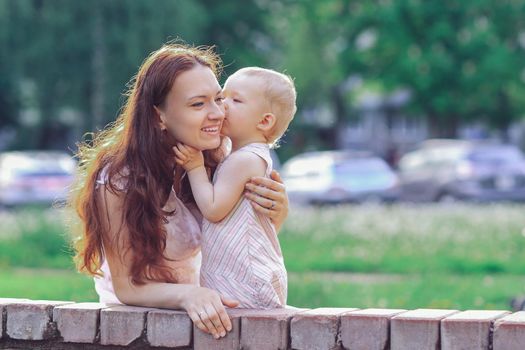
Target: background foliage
{"points": [[64, 64]]}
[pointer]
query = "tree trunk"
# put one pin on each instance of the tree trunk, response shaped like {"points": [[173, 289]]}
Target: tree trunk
{"points": [[340, 110], [504, 117], [98, 69], [440, 127], [450, 127]]}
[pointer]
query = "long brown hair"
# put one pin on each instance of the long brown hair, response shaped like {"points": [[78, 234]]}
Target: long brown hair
{"points": [[137, 161]]}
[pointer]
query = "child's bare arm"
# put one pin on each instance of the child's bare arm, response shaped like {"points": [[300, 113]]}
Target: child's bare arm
{"points": [[215, 201]]}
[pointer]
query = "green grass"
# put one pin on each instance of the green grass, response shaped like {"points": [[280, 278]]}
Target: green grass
{"points": [[461, 256], [457, 239], [46, 284], [34, 237], [404, 291]]}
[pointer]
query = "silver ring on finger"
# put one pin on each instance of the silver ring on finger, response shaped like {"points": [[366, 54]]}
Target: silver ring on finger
{"points": [[272, 206]]}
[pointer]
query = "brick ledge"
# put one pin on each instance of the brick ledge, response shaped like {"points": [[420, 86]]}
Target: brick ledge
{"points": [[44, 324]]}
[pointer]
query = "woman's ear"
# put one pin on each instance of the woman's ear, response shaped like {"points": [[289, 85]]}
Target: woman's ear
{"points": [[162, 119], [267, 122]]}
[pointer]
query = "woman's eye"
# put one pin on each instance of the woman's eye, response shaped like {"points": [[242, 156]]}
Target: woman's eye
{"points": [[236, 100], [197, 104]]}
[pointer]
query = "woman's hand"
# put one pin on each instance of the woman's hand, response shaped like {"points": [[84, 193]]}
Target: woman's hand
{"points": [[268, 197], [206, 309]]}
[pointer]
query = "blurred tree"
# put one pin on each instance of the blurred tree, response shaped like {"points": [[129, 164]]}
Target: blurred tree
{"points": [[238, 30], [9, 69], [74, 59], [79, 56], [133, 29], [316, 45], [462, 61], [65, 64]]}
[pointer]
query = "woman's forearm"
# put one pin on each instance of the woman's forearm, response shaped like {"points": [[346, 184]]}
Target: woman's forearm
{"points": [[204, 306], [153, 294]]}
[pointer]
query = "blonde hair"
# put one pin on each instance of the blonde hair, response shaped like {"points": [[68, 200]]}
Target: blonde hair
{"points": [[279, 91]]}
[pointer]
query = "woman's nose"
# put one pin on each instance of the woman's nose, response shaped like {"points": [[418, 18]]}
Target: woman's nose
{"points": [[217, 112]]}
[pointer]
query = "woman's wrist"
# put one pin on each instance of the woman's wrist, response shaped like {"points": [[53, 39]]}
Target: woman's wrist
{"points": [[279, 219], [185, 297]]}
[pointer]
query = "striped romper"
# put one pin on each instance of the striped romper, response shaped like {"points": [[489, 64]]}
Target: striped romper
{"points": [[241, 255]]}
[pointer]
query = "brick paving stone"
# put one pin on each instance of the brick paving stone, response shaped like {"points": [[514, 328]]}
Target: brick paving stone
{"points": [[121, 325], [509, 332], [169, 328], [267, 329], [417, 329], [3, 312], [367, 329], [32, 319], [78, 323], [468, 330], [317, 329]]}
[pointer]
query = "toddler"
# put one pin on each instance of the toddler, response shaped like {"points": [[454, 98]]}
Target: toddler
{"points": [[241, 255]]}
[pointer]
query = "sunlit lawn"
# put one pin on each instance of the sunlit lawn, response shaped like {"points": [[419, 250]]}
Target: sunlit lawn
{"points": [[46, 284], [409, 291], [460, 256]]}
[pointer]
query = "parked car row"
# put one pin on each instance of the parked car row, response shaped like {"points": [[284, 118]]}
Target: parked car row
{"points": [[437, 170], [34, 177], [339, 176], [447, 170]]}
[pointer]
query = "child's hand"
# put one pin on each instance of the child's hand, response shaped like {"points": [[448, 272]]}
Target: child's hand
{"points": [[188, 157]]}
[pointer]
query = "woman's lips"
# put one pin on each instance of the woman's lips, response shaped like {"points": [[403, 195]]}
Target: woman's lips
{"points": [[211, 129]]}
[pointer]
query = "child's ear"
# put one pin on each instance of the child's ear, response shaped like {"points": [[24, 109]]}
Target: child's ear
{"points": [[267, 122], [162, 119]]}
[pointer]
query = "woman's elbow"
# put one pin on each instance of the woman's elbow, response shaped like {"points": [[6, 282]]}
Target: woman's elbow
{"points": [[124, 293], [125, 298]]}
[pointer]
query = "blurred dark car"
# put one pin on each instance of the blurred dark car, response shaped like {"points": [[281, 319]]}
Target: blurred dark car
{"points": [[34, 177], [339, 176], [448, 170]]}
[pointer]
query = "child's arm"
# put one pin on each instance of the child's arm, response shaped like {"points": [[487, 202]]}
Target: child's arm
{"points": [[215, 201]]}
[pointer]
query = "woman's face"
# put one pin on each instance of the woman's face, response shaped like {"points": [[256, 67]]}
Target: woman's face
{"points": [[193, 112]]}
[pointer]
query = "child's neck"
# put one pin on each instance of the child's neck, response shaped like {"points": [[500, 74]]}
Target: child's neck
{"points": [[237, 144]]}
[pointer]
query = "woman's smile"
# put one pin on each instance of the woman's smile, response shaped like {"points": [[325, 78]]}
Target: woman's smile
{"points": [[212, 129]]}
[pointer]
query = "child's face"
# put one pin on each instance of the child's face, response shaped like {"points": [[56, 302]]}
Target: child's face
{"points": [[245, 106]]}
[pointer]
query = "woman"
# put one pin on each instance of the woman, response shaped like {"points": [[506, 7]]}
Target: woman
{"points": [[140, 227]]}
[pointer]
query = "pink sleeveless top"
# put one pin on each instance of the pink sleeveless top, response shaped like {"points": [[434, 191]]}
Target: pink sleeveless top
{"points": [[182, 244], [241, 255]]}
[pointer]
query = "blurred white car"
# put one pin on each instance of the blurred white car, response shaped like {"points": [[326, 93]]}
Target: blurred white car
{"points": [[339, 176], [33, 177]]}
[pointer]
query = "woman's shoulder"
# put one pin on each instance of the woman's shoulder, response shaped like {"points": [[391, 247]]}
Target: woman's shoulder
{"points": [[118, 179]]}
